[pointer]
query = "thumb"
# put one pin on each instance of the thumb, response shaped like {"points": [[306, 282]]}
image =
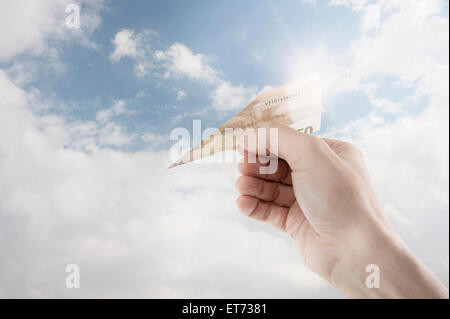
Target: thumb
{"points": [[299, 150]]}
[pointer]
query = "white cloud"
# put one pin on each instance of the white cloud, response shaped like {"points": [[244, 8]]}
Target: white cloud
{"points": [[39, 23], [113, 134], [110, 211], [136, 46], [118, 108], [227, 97], [70, 198], [181, 94], [404, 39], [309, 2], [332, 70], [355, 5], [386, 105], [154, 139], [177, 60], [401, 218], [180, 60], [370, 20], [126, 44], [410, 43]]}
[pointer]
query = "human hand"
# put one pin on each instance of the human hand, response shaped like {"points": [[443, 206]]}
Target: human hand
{"points": [[321, 195]]}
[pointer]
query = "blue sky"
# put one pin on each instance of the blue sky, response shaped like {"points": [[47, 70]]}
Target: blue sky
{"points": [[247, 45], [86, 114]]}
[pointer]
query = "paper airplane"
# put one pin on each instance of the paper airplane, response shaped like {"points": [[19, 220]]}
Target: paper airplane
{"points": [[298, 106]]}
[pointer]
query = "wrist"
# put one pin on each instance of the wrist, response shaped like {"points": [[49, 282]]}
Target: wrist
{"points": [[381, 266]]}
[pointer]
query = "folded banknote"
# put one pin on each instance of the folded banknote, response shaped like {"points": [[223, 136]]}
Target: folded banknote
{"points": [[298, 106]]}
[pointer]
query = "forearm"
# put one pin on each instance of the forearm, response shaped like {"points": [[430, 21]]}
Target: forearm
{"points": [[401, 274]]}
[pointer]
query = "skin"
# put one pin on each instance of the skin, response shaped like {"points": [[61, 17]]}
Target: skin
{"points": [[322, 197]]}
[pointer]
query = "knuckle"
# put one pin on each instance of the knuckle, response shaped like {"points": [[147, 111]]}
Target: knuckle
{"points": [[253, 211], [352, 148], [275, 192], [260, 187], [240, 180], [267, 211], [316, 144]]}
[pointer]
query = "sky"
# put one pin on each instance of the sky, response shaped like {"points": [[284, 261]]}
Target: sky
{"points": [[86, 116]]}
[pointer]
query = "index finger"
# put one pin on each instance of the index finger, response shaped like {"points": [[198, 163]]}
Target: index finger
{"points": [[281, 175]]}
